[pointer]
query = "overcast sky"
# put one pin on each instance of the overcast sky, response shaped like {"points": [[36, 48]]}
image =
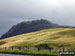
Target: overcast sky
{"points": [[14, 11]]}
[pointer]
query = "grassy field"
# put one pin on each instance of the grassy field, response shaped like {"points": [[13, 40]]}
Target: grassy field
{"points": [[29, 52], [55, 38]]}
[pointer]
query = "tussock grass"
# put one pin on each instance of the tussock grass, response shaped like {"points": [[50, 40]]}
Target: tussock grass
{"points": [[56, 38]]}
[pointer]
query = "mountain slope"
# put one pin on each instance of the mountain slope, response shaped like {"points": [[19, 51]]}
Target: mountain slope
{"points": [[30, 26], [55, 38]]}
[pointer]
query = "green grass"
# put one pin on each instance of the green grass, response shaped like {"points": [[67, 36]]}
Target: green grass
{"points": [[28, 52]]}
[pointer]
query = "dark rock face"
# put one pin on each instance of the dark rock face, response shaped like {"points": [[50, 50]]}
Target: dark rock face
{"points": [[30, 26]]}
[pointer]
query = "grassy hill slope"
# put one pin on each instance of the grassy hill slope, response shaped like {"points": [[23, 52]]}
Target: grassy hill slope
{"points": [[55, 38]]}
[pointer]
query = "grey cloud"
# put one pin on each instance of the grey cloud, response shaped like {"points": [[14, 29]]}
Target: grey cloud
{"points": [[7, 23], [14, 11]]}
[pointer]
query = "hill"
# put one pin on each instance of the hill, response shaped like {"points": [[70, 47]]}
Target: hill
{"points": [[55, 38], [30, 26]]}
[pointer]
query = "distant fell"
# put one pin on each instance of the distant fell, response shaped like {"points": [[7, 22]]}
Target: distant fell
{"points": [[30, 26]]}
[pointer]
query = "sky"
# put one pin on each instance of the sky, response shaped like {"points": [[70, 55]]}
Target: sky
{"points": [[15, 11]]}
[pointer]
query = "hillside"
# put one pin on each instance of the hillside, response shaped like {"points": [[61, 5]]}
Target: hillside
{"points": [[55, 38], [30, 26]]}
